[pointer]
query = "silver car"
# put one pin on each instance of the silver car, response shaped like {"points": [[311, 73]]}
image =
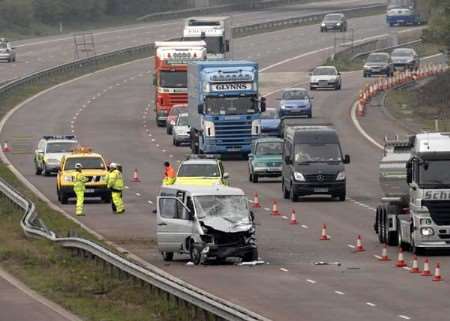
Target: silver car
{"points": [[181, 131], [405, 58], [7, 52], [325, 77]]}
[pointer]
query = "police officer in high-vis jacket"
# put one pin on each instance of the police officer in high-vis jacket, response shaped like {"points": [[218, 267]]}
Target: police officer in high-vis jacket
{"points": [[116, 185], [79, 188]]}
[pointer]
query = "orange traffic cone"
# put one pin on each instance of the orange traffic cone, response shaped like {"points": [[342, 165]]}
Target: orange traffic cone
{"points": [[437, 273], [293, 219], [426, 268], [359, 246], [324, 236], [384, 257], [275, 211], [256, 201], [415, 266], [400, 260], [136, 178], [6, 148]]}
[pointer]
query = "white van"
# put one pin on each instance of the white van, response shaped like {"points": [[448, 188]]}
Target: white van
{"points": [[205, 222]]}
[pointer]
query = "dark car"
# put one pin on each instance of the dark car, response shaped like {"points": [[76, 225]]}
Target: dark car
{"points": [[378, 63], [270, 122], [405, 58], [295, 102], [334, 21], [313, 162], [173, 115]]}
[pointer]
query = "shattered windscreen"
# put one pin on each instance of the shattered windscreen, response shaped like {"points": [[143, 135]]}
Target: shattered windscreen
{"points": [[231, 208]]}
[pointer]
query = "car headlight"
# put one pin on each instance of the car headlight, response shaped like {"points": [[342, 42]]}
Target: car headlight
{"points": [[68, 178], [256, 127], [209, 128], [338, 24], [340, 176], [426, 221], [366, 67], [323, 24], [299, 177], [426, 231]]}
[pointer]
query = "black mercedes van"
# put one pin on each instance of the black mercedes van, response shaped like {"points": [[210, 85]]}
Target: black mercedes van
{"points": [[313, 162]]}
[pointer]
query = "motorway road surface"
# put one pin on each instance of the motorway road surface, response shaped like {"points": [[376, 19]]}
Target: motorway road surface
{"points": [[111, 111], [41, 53], [18, 305]]}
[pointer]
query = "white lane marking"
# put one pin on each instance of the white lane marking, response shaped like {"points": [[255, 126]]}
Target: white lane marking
{"points": [[150, 202], [284, 270], [164, 151], [351, 246], [371, 304], [127, 187], [157, 145], [361, 130], [305, 227], [311, 281], [266, 209], [407, 268], [284, 217], [362, 205], [339, 292], [138, 194], [402, 316], [377, 257], [171, 156]]}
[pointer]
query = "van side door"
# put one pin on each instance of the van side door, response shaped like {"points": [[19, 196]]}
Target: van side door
{"points": [[173, 225]]}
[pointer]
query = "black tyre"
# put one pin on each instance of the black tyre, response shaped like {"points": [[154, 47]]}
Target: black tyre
{"points": [[312, 88], [391, 236], [250, 256], [292, 195], [168, 130], [38, 171], [106, 199], [44, 171], [341, 197], [196, 255], [364, 74], [255, 178], [403, 245], [284, 190], [63, 198], [167, 256], [309, 115], [381, 232], [176, 143]]}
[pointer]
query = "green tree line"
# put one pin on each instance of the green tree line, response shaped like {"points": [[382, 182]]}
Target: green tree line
{"points": [[439, 22], [22, 13]]}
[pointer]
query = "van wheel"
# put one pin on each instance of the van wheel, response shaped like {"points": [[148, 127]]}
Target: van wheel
{"points": [[38, 171], [341, 197], [255, 178], [106, 199], [292, 196], [167, 256], [196, 255], [284, 190]]}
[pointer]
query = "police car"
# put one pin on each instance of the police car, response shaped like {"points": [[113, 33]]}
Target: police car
{"points": [[50, 151], [201, 170]]}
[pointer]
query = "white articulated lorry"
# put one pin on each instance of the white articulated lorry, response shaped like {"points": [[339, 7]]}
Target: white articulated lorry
{"points": [[415, 179]]}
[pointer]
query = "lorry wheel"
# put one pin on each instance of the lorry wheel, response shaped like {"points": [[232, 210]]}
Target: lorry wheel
{"points": [[377, 218], [381, 233], [196, 255], [167, 256], [391, 236], [404, 246]]}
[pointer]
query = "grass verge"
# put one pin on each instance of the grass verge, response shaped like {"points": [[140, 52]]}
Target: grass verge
{"points": [[78, 284], [421, 105], [347, 64]]}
